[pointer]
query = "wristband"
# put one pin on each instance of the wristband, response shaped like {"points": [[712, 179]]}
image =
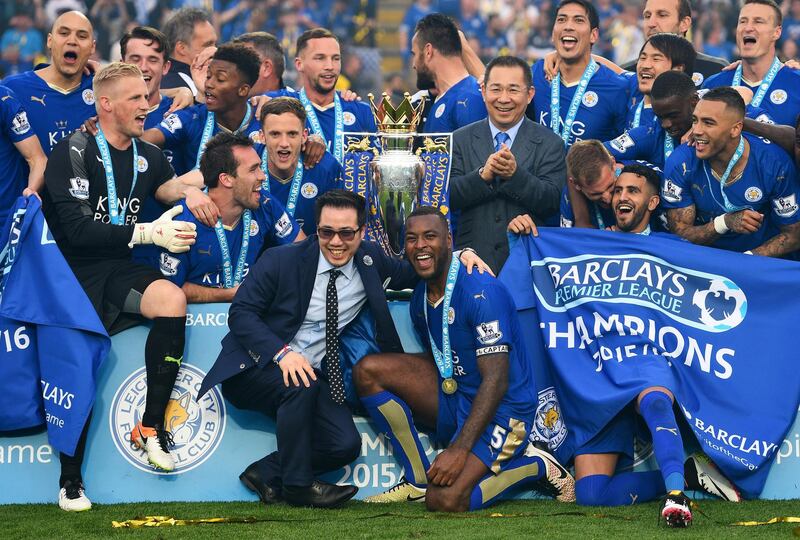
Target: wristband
{"points": [[719, 224], [468, 250], [281, 353], [748, 252]]}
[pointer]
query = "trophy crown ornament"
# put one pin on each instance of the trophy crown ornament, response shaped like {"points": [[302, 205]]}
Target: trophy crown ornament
{"points": [[401, 119]]}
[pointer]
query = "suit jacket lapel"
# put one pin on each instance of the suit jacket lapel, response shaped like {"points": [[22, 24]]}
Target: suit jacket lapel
{"points": [[483, 143], [308, 274], [524, 147]]}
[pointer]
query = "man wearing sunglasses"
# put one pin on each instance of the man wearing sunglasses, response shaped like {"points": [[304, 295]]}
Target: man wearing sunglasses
{"points": [[300, 305]]}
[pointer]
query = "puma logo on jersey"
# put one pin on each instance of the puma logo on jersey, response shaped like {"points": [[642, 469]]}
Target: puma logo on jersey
{"points": [[462, 102], [79, 151], [674, 431], [204, 251], [40, 100]]}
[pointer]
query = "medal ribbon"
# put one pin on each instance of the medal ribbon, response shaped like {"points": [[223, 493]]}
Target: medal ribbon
{"points": [[209, 128], [555, 101], [765, 83], [444, 358], [294, 190], [232, 279], [724, 179], [637, 116], [116, 215], [311, 114]]}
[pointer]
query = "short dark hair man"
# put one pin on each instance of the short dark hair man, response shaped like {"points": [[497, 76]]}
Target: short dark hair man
{"points": [[585, 100], [273, 61], [675, 17], [436, 57], [282, 358], [731, 190], [504, 165], [287, 178], [774, 86], [213, 269], [473, 384], [189, 31], [148, 49]]}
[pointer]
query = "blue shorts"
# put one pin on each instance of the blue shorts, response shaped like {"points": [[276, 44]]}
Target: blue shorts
{"points": [[503, 439], [616, 437]]}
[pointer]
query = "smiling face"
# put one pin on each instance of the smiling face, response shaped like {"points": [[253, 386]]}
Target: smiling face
{"points": [[225, 86], [757, 31], [336, 251], [650, 65], [714, 128], [633, 200], [320, 62], [573, 36], [284, 136], [506, 95], [248, 178], [143, 54], [661, 16], [71, 43], [427, 246]]}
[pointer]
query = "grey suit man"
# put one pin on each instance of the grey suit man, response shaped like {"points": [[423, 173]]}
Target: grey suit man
{"points": [[505, 165]]}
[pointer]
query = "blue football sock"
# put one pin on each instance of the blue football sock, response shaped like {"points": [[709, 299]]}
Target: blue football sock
{"points": [[656, 409], [619, 490], [517, 473], [393, 417]]}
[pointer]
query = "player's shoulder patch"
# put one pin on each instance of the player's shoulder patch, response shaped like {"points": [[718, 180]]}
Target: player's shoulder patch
{"points": [[622, 143], [172, 123], [785, 207], [283, 226], [489, 332], [671, 192], [168, 264], [20, 124]]}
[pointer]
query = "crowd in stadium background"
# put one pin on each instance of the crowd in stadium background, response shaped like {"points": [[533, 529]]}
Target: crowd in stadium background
{"points": [[494, 27]]}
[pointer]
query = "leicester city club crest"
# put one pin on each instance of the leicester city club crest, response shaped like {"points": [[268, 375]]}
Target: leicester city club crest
{"points": [[197, 427]]}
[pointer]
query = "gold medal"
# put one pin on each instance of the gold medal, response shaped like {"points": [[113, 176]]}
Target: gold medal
{"points": [[449, 386]]}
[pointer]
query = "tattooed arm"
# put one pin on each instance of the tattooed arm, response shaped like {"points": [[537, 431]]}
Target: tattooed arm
{"points": [[786, 241]]}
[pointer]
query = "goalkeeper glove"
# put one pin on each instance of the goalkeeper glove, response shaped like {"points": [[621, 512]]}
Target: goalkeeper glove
{"points": [[174, 236]]}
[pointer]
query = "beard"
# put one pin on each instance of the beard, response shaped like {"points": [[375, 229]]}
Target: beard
{"points": [[425, 79]]}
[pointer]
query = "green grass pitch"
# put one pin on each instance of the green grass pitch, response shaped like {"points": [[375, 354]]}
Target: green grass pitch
{"points": [[523, 519]]}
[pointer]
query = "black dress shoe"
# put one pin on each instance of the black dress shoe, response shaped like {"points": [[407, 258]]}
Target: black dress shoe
{"points": [[252, 481], [319, 494]]}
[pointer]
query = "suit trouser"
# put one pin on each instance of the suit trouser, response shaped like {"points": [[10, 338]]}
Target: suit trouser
{"points": [[315, 435]]}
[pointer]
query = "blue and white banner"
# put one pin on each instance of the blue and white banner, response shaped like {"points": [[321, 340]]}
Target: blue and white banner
{"points": [[614, 314], [52, 340]]}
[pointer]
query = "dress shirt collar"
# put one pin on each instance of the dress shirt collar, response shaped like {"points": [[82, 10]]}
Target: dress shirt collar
{"points": [[511, 132], [348, 269]]}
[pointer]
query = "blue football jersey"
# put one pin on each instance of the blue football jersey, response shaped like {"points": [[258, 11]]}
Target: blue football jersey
{"points": [[482, 320], [603, 109], [157, 115], [782, 100], [769, 185], [646, 114], [461, 105], [324, 176], [356, 117], [646, 142], [52, 113], [14, 128], [270, 225], [183, 132]]}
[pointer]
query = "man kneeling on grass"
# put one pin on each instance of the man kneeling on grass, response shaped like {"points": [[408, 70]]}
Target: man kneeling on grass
{"points": [[474, 385]]}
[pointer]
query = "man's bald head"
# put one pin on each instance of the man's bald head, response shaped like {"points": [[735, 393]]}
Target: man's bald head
{"points": [[71, 44], [72, 19]]}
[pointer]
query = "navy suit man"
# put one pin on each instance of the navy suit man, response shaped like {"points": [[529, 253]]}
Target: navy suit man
{"points": [[284, 322]]}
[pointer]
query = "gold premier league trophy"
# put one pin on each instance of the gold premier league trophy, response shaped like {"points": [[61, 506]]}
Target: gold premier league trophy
{"points": [[396, 178]]}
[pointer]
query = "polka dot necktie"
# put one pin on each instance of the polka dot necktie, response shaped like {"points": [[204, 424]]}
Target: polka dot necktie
{"points": [[333, 366]]}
